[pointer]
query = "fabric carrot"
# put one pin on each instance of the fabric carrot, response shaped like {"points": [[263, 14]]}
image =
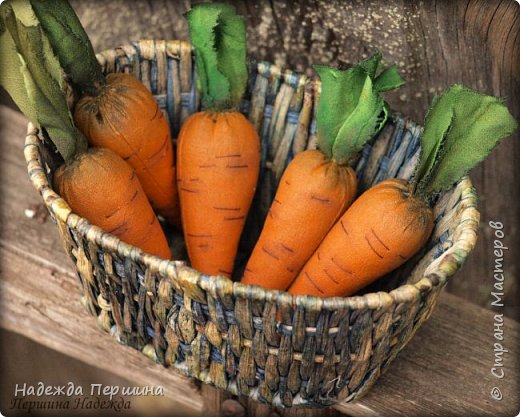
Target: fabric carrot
{"points": [[96, 183], [319, 185], [218, 150], [116, 112], [391, 221]]}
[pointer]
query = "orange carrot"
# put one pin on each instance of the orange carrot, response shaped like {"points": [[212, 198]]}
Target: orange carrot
{"points": [[218, 150], [319, 185], [98, 184], [362, 245], [219, 156], [391, 221], [312, 194], [126, 119], [117, 112]]}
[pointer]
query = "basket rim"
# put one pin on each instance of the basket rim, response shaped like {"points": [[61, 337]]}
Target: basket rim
{"points": [[436, 274]]}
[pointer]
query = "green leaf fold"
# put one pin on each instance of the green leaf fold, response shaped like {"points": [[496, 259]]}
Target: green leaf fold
{"points": [[460, 130], [70, 43], [218, 36], [31, 74], [351, 108], [11, 76]]}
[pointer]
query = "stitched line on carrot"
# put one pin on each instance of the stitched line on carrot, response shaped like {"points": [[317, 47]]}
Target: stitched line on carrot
{"points": [[371, 247], [309, 278], [270, 254]]}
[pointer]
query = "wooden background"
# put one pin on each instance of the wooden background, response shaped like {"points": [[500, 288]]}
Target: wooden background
{"points": [[434, 43]]}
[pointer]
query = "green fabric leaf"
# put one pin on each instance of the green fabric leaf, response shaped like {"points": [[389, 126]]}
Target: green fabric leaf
{"points": [[218, 36], [389, 79], [58, 126], [351, 108], [37, 53], [70, 43], [371, 64], [360, 124], [465, 126], [11, 77], [43, 98], [437, 123], [24, 12]]}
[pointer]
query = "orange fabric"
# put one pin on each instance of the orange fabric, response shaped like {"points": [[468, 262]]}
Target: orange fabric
{"points": [[313, 192], [380, 231], [218, 157], [103, 188], [125, 118]]}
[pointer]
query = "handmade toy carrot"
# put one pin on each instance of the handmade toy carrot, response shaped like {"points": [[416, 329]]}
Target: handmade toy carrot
{"points": [[319, 185], [218, 150], [100, 186], [116, 112], [391, 221], [96, 183]]}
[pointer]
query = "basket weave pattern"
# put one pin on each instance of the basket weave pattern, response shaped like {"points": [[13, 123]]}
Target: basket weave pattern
{"points": [[224, 333]]}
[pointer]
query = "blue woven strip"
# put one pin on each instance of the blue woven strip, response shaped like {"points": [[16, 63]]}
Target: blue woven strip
{"points": [[221, 315], [398, 157], [438, 252], [198, 312], [170, 102], [150, 331], [185, 348], [414, 143], [291, 128], [230, 316], [292, 79], [266, 136], [244, 107], [268, 112], [186, 99], [119, 269], [138, 57], [215, 355], [382, 172], [397, 137], [293, 117], [360, 166], [178, 299], [161, 100], [282, 387], [258, 323], [153, 75]]}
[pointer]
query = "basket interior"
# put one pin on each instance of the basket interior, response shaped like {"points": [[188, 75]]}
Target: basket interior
{"points": [[281, 104]]}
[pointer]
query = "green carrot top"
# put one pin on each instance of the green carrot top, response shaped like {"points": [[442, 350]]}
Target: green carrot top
{"points": [[351, 108], [218, 36], [33, 77], [70, 43], [461, 128]]}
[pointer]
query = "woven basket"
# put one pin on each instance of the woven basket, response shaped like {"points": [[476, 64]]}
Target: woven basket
{"points": [[224, 333]]}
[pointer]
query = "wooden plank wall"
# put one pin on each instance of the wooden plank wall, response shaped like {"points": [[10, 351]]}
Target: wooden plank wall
{"points": [[434, 43]]}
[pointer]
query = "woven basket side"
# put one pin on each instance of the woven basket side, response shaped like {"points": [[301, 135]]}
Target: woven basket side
{"points": [[373, 166], [227, 334]]}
